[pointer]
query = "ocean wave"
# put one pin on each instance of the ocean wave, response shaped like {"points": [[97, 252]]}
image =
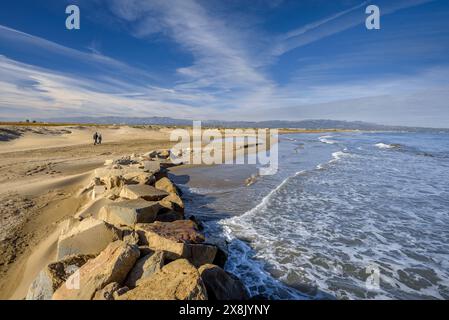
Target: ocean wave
{"points": [[326, 139], [242, 261], [384, 146], [264, 202], [338, 155]]}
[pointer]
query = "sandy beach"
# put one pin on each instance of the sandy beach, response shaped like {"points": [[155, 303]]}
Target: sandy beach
{"points": [[41, 171]]}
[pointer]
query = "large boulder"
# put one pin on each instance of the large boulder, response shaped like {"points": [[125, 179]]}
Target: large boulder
{"points": [[182, 231], [145, 267], [221, 285], [112, 265], [113, 177], [143, 191], [89, 236], [180, 239], [166, 185], [173, 203], [178, 280], [139, 178], [130, 212], [54, 275]]}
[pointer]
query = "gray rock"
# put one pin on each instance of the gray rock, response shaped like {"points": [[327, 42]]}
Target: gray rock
{"points": [[89, 236], [54, 275], [221, 285], [130, 212]]}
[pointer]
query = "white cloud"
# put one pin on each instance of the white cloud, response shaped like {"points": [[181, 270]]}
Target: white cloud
{"points": [[44, 93], [227, 79], [222, 59]]}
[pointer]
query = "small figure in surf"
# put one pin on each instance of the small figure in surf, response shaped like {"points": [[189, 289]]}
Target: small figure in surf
{"points": [[99, 138], [95, 137]]}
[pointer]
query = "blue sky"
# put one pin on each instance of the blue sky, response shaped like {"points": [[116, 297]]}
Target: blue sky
{"points": [[228, 60]]}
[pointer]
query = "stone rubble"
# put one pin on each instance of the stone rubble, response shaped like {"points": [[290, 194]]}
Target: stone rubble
{"points": [[138, 246]]}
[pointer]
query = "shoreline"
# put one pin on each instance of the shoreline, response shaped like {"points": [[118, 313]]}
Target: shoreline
{"points": [[66, 186], [54, 191]]}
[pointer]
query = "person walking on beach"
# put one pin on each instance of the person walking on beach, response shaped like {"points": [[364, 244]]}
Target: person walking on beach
{"points": [[95, 137], [99, 138]]}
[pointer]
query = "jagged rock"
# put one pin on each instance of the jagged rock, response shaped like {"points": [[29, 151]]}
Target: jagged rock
{"points": [[112, 265], [178, 280], [124, 161], [110, 292], [173, 202], [54, 275], [221, 285], [180, 239], [113, 176], [130, 237], [145, 267], [129, 212], [139, 178], [182, 231], [166, 185], [89, 236], [143, 191], [112, 181], [199, 254]]}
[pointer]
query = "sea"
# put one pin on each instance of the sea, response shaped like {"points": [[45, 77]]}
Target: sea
{"points": [[348, 215]]}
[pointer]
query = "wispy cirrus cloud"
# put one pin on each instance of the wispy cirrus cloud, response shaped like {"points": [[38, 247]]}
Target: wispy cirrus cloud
{"points": [[39, 92], [222, 61], [46, 50], [336, 23]]}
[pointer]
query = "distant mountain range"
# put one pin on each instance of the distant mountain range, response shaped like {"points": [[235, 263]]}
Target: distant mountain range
{"points": [[303, 124]]}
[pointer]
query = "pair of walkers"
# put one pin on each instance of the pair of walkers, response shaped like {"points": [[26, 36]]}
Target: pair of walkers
{"points": [[97, 138]]}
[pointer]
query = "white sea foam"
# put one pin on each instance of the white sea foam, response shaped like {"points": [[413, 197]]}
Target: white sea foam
{"points": [[319, 232], [384, 146], [320, 166], [338, 155], [326, 139]]}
